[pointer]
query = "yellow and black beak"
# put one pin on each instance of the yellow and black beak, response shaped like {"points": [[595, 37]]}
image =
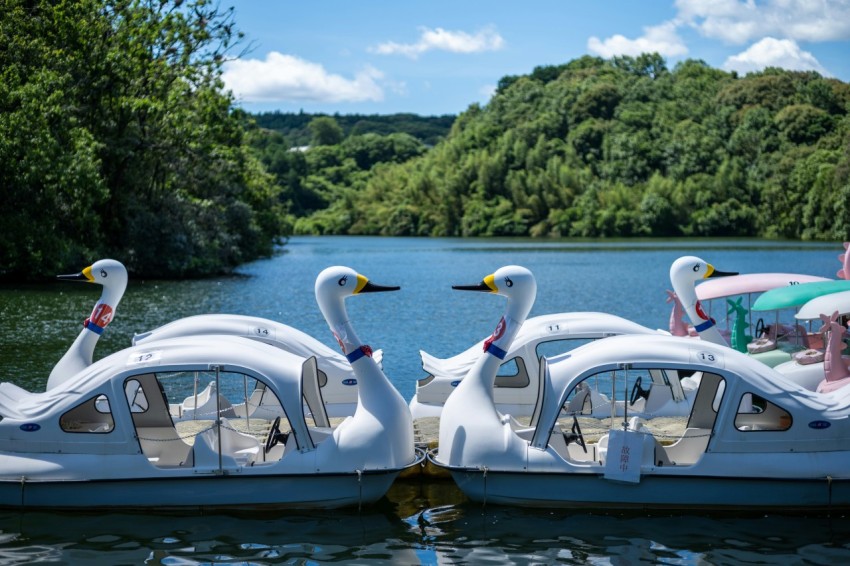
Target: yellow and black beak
{"points": [[85, 276], [366, 286], [488, 285], [711, 272]]}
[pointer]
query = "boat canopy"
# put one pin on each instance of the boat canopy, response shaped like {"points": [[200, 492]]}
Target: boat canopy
{"points": [[750, 283], [826, 304], [797, 295]]}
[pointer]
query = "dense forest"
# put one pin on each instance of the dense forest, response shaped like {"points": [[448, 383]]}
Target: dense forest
{"points": [[118, 138], [296, 127], [596, 148]]}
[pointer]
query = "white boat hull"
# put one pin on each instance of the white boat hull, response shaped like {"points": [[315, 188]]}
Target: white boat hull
{"points": [[660, 492], [302, 491]]}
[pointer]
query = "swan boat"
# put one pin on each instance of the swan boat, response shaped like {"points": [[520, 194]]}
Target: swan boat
{"points": [[105, 438], [336, 379], [517, 382], [339, 385], [753, 439]]}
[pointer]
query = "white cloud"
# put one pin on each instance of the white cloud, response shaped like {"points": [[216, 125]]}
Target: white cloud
{"points": [[742, 21], [662, 39], [771, 52], [443, 40], [288, 78]]}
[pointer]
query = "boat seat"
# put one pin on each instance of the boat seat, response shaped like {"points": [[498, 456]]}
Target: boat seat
{"points": [[687, 450], [163, 447], [243, 447], [237, 448], [807, 340]]}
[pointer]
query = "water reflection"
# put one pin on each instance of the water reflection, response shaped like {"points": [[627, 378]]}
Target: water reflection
{"points": [[421, 523]]}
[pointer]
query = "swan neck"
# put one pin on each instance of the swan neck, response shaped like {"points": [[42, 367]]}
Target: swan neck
{"points": [[702, 323]]}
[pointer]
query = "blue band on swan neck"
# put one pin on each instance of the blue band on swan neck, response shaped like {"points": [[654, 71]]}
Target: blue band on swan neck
{"points": [[94, 327], [355, 355], [705, 325], [496, 351]]}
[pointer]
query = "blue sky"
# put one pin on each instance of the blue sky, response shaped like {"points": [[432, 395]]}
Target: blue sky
{"points": [[439, 56]]}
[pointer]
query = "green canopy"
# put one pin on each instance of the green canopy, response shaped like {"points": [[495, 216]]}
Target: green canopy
{"points": [[794, 296]]}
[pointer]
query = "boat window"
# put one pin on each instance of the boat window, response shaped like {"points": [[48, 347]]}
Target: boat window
{"points": [[626, 392], [135, 396], [554, 348], [756, 413], [92, 416], [508, 368], [181, 415], [688, 397], [512, 373]]}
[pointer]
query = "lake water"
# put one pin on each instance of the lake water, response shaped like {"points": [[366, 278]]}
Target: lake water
{"points": [[416, 523]]}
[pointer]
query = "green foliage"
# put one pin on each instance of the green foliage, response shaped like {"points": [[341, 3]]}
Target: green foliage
{"points": [[295, 127], [324, 131], [117, 140], [618, 148]]}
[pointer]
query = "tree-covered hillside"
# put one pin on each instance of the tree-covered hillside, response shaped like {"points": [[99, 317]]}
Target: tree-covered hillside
{"points": [[605, 148], [296, 127]]}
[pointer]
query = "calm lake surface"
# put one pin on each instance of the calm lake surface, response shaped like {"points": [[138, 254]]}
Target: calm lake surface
{"points": [[416, 523]]}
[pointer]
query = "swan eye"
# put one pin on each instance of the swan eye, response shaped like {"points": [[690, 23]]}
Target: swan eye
{"points": [[508, 282], [343, 280], [103, 273], [696, 268]]}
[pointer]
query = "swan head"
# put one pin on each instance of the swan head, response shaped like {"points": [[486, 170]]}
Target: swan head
{"points": [[112, 276], [109, 273], [335, 284], [512, 281], [689, 269]]}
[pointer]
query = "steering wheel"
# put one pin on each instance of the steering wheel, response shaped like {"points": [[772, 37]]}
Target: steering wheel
{"points": [[760, 328], [575, 435], [274, 436], [637, 392]]}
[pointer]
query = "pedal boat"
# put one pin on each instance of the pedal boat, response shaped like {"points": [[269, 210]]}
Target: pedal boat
{"points": [[753, 440], [105, 438], [338, 382]]}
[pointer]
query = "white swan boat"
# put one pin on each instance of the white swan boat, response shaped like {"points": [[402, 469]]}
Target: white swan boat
{"points": [[105, 438], [338, 383], [336, 378], [752, 438], [517, 381]]}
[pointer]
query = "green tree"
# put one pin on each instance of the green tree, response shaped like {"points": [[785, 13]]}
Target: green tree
{"points": [[325, 131]]}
